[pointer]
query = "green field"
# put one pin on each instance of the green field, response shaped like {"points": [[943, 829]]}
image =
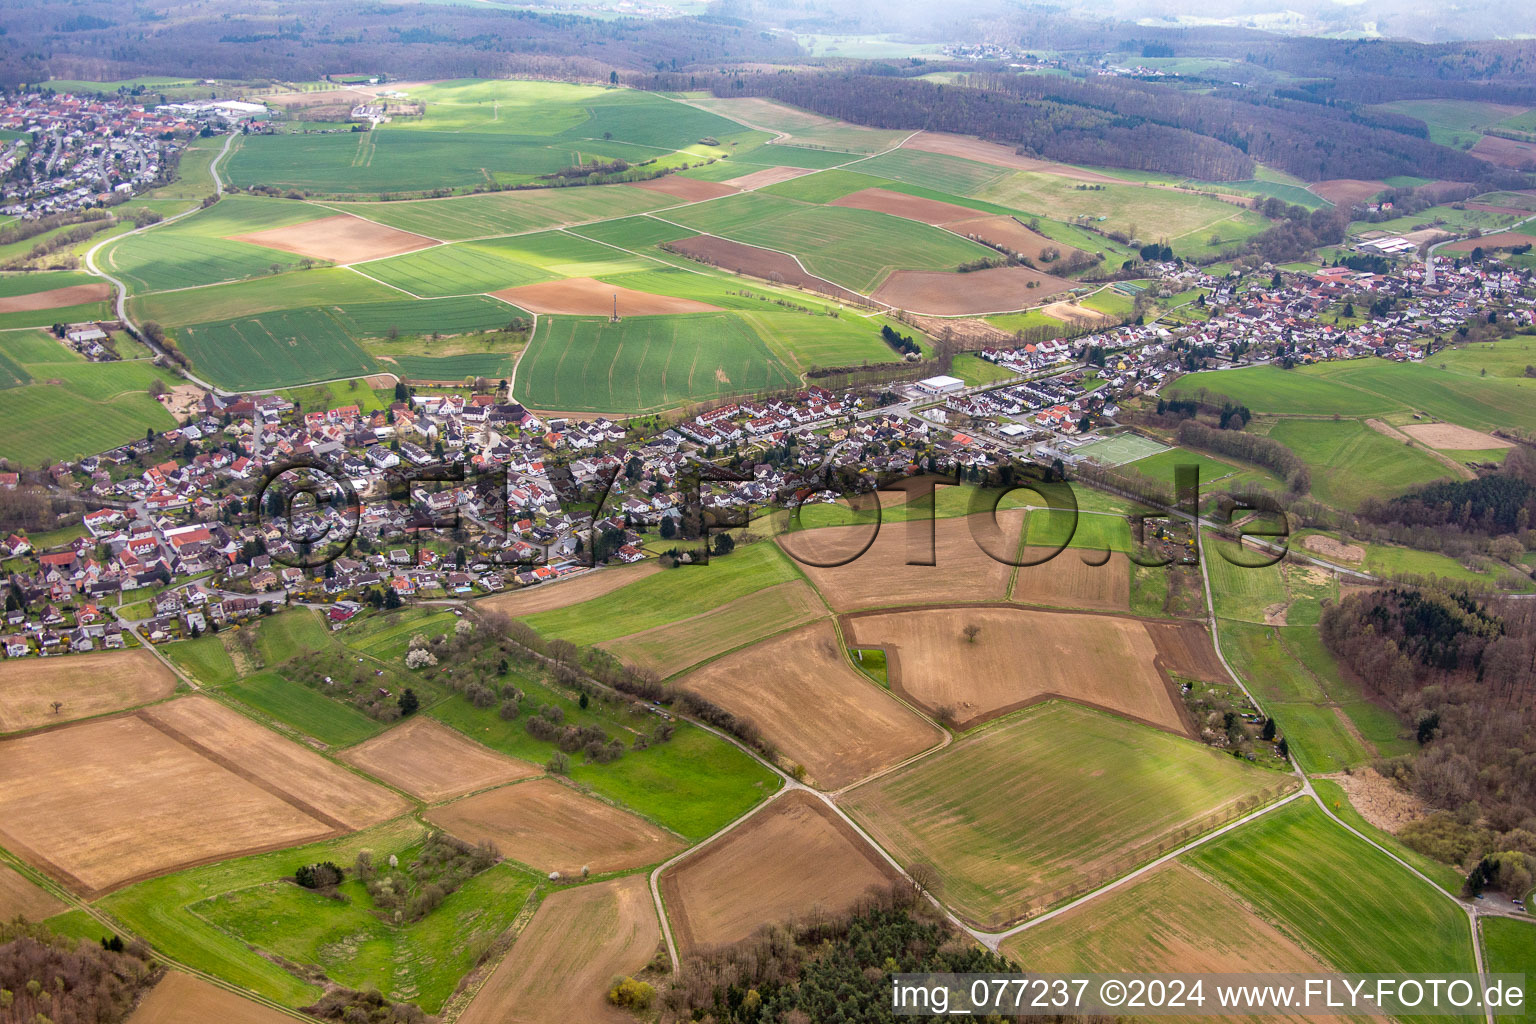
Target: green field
{"points": [[200, 249], [1271, 389], [1051, 802], [328, 286], [1336, 800], [72, 408], [507, 213], [444, 316], [290, 633], [951, 174], [855, 248], [1510, 948], [273, 349], [487, 266], [1350, 462], [205, 659], [328, 721], [1348, 901], [644, 363]]}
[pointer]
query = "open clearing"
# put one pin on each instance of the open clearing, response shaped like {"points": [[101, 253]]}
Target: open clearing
{"points": [[561, 966], [86, 684], [788, 860], [182, 999], [341, 239], [584, 296], [56, 298], [568, 592], [668, 649], [432, 762], [881, 576], [18, 896], [1068, 581], [1455, 438], [1347, 191], [1020, 657], [754, 261], [1171, 919], [1046, 804], [690, 190], [998, 155], [981, 291], [551, 827], [811, 704]]}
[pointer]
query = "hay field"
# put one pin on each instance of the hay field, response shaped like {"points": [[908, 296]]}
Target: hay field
{"points": [[1454, 438], [1050, 803], [552, 827], [103, 803], [671, 648], [790, 859], [811, 704], [1170, 920], [183, 999], [1020, 657], [963, 572], [562, 964], [86, 684], [548, 597], [1067, 581], [340, 797], [432, 762]]}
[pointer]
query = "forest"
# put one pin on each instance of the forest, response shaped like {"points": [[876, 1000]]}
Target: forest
{"points": [[46, 977], [1497, 504]]}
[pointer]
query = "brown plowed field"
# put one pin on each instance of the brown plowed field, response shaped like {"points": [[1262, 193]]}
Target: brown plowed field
{"points": [[1505, 152], [981, 291], [551, 827], [86, 684], [1019, 658], [109, 801], [1333, 549], [1184, 648], [328, 98], [1066, 581], [182, 999], [1007, 232], [1344, 191], [1451, 437], [1079, 315], [793, 857], [997, 155], [899, 204], [334, 794], [341, 239], [690, 190], [18, 896], [740, 258], [432, 762], [585, 296], [1490, 242], [766, 176], [55, 298], [811, 704], [881, 577], [564, 962], [568, 592]]}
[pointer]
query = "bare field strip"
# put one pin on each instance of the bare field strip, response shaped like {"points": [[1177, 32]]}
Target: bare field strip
{"points": [[1080, 316], [85, 684], [19, 897], [1020, 657], [766, 176], [1504, 152], [1454, 438], [1185, 648], [880, 577], [56, 298], [182, 999], [816, 708], [899, 204], [741, 258], [689, 190], [1009, 233], [318, 98], [1338, 551], [229, 737], [561, 966], [340, 239], [1036, 808], [790, 859], [584, 296], [551, 827], [432, 762], [1170, 920], [111, 801], [969, 148], [549, 596], [669, 649], [1345, 192], [1066, 581], [1491, 242], [940, 293]]}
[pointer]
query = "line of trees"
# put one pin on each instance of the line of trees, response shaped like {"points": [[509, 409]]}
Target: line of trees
{"points": [[1264, 451]]}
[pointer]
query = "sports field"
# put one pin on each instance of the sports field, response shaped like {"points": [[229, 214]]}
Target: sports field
{"points": [[1050, 802], [643, 364], [1121, 449]]}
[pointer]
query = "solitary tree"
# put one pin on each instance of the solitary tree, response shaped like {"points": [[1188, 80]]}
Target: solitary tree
{"points": [[971, 632], [409, 703], [57, 706]]}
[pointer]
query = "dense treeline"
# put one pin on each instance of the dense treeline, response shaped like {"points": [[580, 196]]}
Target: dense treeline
{"points": [[45, 977], [1255, 448], [1501, 503]]}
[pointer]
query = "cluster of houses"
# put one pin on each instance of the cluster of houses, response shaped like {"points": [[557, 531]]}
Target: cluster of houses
{"points": [[80, 150]]}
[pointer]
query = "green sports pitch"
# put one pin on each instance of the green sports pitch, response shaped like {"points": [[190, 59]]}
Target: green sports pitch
{"points": [[1121, 449]]}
